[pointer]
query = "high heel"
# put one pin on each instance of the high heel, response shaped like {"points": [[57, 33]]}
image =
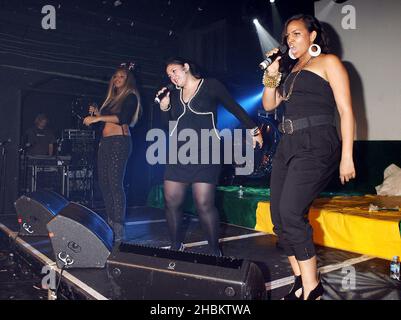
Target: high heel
{"points": [[296, 292], [316, 293]]}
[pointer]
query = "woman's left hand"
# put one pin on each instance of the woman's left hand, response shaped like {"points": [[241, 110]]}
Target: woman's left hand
{"points": [[91, 119], [347, 170], [257, 140]]}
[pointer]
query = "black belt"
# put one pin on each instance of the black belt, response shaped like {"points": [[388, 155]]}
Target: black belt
{"points": [[288, 126]]}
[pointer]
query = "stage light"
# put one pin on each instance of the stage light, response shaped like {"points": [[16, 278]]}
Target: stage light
{"points": [[325, 11], [255, 21], [267, 41], [249, 103], [271, 1]]}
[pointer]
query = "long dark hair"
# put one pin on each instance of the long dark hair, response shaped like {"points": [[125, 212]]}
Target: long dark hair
{"points": [[193, 67], [311, 24], [114, 101]]}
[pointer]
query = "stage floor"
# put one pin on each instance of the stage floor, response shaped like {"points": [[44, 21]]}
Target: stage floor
{"points": [[345, 275]]}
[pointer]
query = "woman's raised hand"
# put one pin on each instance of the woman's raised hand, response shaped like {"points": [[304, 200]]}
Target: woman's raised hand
{"points": [[93, 110], [273, 69], [165, 102]]}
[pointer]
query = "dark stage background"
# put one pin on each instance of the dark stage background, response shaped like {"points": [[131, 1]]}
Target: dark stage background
{"points": [[51, 70]]}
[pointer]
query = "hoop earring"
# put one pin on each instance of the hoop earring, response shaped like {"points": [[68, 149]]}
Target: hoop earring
{"points": [[315, 53], [291, 54]]}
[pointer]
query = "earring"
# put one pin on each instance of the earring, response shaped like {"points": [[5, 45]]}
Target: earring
{"points": [[291, 54], [315, 53]]}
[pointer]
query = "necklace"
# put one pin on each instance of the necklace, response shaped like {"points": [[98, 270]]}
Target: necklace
{"points": [[286, 96]]}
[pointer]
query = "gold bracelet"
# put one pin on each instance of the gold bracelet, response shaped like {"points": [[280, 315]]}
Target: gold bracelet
{"points": [[271, 81]]}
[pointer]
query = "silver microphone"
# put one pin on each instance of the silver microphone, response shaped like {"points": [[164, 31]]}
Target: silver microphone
{"points": [[269, 60], [160, 97], [93, 104]]}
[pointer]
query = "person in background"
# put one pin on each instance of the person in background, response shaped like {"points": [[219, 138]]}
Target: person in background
{"points": [[39, 139], [309, 151]]}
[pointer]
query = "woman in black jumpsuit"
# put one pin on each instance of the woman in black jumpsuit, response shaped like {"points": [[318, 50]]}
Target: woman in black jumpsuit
{"points": [[194, 106], [309, 151]]}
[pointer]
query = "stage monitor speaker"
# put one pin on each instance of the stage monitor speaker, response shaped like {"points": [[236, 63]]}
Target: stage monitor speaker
{"points": [[139, 272], [80, 238], [36, 209]]}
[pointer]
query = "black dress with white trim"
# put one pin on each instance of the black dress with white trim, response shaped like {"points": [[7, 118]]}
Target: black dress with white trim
{"points": [[199, 114]]}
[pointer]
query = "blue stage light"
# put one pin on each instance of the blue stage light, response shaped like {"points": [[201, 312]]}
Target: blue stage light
{"points": [[249, 103]]}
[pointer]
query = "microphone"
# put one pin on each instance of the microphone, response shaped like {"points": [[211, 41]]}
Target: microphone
{"points": [[269, 60], [93, 104], [160, 97]]}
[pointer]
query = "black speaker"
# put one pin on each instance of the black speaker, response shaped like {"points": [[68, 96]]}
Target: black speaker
{"points": [[80, 238], [36, 209], [139, 272]]}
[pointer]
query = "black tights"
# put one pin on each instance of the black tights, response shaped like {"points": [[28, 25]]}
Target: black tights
{"points": [[112, 159], [203, 195]]}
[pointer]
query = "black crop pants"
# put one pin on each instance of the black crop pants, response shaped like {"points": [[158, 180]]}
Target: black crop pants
{"points": [[302, 167], [113, 155]]}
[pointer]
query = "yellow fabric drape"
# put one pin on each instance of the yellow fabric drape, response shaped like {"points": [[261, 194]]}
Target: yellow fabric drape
{"points": [[345, 223]]}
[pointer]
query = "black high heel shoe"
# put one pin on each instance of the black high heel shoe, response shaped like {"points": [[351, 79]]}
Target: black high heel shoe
{"points": [[316, 293], [296, 292]]}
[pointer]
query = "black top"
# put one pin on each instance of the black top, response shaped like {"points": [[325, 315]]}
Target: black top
{"points": [[311, 95], [200, 112], [38, 141], [128, 109]]}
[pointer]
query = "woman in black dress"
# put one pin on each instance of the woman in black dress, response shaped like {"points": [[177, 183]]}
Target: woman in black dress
{"points": [[194, 106], [309, 151]]}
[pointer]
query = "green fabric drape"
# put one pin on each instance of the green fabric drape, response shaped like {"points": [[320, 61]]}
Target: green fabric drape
{"points": [[233, 208]]}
